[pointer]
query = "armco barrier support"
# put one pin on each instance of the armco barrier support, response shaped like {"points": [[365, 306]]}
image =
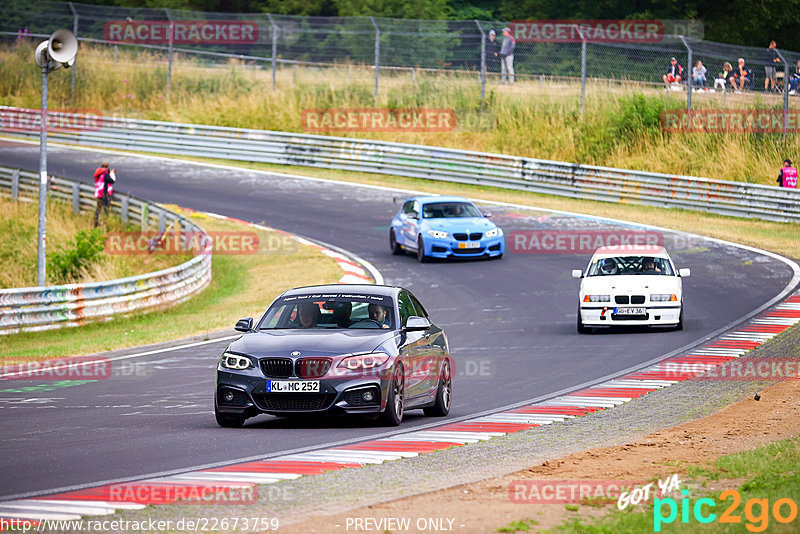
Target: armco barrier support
{"points": [[738, 199], [45, 308]]}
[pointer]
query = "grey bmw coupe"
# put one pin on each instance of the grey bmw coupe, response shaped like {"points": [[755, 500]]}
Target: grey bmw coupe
{"points": [[349, 349]]}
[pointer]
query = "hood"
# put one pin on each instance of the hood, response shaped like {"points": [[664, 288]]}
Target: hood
{"points": [[634, 284], [460, 224], [309, 342]]}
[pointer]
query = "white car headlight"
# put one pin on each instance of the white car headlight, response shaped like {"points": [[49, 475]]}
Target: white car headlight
{"points": [[438, 234], [494, 232], [663, 297], [234, 361], [361, 362], [597, 298]]}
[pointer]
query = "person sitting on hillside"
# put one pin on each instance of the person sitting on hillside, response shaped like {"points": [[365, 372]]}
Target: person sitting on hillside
{"points": [[673, 74], [699, 75], [794, 81], [722, 77], [740, 77]]}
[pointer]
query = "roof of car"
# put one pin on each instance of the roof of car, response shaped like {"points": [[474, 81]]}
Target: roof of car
{"points": [[369, 289], [440, 198], [630, 250]]}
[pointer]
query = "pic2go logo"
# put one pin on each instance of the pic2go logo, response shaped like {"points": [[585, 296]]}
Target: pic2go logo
{"points": [[756, 511]]}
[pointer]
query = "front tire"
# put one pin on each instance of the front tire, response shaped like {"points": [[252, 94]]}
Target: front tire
{"points": [[679, 326], [395, 247], [228, 420], [393, 414], [421, 250], [444, 393]]}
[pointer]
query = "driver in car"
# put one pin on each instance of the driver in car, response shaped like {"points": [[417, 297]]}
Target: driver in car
{"points": [[309, 314], [649, 266], [377, 313], [608, 266]]}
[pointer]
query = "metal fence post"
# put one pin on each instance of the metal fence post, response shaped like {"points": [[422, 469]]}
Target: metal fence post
{"points": [[483, 61], [583, 68], [171, 42], [688, 79], [162, 222], [15, 185], [76, 198], [274, 49], [123, 210], [145, 220], [75, 32], [785, 93], [377, 55]]}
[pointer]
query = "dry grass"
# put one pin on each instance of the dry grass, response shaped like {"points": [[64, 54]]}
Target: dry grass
{"points": [[18, 245], [533, 118]]}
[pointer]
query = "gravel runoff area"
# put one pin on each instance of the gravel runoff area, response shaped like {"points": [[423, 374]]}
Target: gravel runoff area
{"points": [[348, 489]]}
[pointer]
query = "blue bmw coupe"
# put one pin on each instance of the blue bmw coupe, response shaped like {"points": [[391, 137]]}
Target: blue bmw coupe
{"points": [[444, 227]]}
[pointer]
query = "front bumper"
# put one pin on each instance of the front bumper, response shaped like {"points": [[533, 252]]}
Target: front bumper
{"points": [[336, 395], [451, 248], [598, 315]]}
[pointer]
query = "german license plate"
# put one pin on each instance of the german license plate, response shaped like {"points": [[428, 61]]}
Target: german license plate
{"points": [[292, 386], [630, 311], [470, 244]]}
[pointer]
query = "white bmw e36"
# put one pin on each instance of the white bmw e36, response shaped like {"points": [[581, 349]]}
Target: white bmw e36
{"points": [[630, 286]]}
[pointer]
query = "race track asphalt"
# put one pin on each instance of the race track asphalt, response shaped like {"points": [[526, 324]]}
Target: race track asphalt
{"points": [[511, 326]]}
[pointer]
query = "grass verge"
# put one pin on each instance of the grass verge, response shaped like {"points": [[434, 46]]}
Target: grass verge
{"points": [[620, 126], [242, 285], [770, 473], [18, 228]]}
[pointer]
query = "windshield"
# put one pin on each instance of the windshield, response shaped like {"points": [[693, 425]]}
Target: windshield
{"points": [[331, 311], [441, 210], [647, 265]]}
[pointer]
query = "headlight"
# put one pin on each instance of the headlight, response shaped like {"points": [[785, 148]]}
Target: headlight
{"points": [[234, 361], [597, 298], [663, 297], [494, 232], [361, 362], [438, 234]]}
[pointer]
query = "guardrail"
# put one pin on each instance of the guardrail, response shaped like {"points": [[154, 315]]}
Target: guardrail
{"points": [[44, 308], [419, 161]]}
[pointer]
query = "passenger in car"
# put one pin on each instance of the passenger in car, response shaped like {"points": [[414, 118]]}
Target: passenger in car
{"points": [[608, 266]]}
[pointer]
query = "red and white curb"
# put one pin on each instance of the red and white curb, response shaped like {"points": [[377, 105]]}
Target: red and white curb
{"points": [[104, 500]]}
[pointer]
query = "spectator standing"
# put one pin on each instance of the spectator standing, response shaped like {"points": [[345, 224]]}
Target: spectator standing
{"points": [[507, 56], [699, 74], [103, 189], [722, 77], [770, 61], [740, 76], [492, 52], [787, 177], [673, 74], [795, 79]]}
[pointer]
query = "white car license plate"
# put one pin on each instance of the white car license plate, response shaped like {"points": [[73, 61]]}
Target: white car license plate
{"points": [[470, 244], [630, 311], [292, 386]]}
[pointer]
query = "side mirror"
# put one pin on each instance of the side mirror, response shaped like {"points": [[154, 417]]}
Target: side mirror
{"points": [[413, 215], [487, 214], [417, 324], [577, 273], [683, 273], [244, 325]]}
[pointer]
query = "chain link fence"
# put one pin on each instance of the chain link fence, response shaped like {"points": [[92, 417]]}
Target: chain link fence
{"points": [[384, 47]]}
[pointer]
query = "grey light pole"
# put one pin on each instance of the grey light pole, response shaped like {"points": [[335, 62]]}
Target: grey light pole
{"points": [[59, 50]]}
